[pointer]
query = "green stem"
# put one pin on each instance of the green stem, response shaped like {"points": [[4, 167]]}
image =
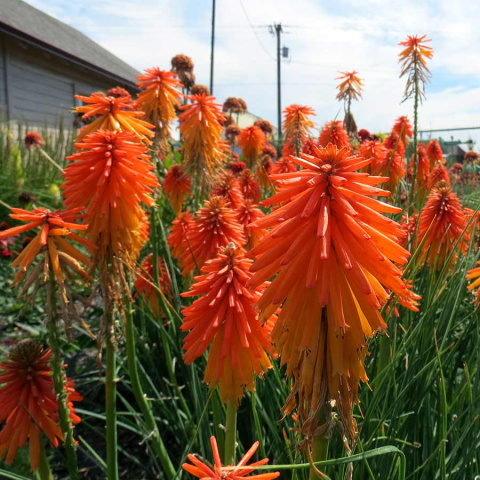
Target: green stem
{"points": [[383, 353], [111, 401], [44, 472], [59, 382], [231, 433], [319, 450], [415, 140], [142, 402]]}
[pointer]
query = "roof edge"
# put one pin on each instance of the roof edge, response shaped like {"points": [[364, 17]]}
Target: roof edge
{"points": [[57, 51]]}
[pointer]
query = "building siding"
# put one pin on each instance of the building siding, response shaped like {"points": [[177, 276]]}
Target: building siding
{"points": [[3, 92], [41, 86]]}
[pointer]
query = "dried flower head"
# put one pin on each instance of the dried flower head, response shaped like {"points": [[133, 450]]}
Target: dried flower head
{"points": [[109, 114], [236, 167], [201, 470], [234, 105], [224, 318], [350, 88], [270, 150], [176, 186], [182, 63], [335, 261], [232, 132], [198, 89], [33, 140], [265, 126], [29, 403]]}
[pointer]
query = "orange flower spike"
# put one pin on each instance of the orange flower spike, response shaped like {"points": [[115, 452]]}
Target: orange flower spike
{"points": [[215, 226], [176, 186], [113, 177], [435, 153], [297, 127], [251, 140], [392, 165], [284, 165], [328, 232], [201, 128], [438, 174], [351, 86], [201, 470], [54, 228], [247, 214], [334, 133], [393, 143], [144, 284], [178, 237], [28, 401], [159, 96], [111, 115], [442, 223], [375, 150], [404, 129], [249, 186], [224, 318], [228, 187], [474, 274]]}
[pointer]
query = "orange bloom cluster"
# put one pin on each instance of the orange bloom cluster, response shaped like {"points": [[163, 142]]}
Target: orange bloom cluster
{"points": [[297, 127], [437, 175], [201, 470], [334, 133], [391, 165], [434, 152], [404, 129], [423, 170], [112, 114], [334, 258], [394, 143], [284, 165], [409, 226], [215, 226], [178, 238], [251, 140], [144, 284], [350, 88], [54, 227], [413, 60], [158, 97], [200, 125], [442, 224], [28, 403], [33, 140], [112, 177], [176, 186], [375, 150], [224, 316], [249, 186], [474, 274], [229, 188], [249, 213]]}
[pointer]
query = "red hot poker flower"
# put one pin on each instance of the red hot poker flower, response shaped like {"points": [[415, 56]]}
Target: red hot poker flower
{"points": [[334, 257], [28, 403], [249, 186], [201, 470], [225, 318], [251, 140], [334, 133], [176, 186], [228, 187], [178, 238], [248, 214], [215, 226], [403, 128]]}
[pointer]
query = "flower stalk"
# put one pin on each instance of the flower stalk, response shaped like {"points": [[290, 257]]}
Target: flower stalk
{"points": [[230, 433]]}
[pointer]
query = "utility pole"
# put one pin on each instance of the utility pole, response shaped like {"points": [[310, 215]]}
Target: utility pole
{"points": [[213, 47], [278, 31]]}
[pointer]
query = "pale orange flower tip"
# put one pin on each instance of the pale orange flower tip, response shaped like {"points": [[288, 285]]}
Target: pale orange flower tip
{"points": [[224, 317], [201, 470], [29, 402], [350, 87], [112, 114]]}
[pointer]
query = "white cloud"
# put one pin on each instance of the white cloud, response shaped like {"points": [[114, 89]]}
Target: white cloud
{"points": [[322, 38]]}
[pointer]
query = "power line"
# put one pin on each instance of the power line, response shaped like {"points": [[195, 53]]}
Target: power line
{"points": [[255, 33]]}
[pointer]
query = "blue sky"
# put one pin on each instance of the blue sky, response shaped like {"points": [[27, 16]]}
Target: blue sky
{"points": [[323, 37]]}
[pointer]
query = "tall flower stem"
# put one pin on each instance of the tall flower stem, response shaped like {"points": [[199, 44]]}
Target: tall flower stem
{"points": [[111, 399], [319, 451], [59, 382], [44, 471], [231, 433], [142, 402], [383, 353], [415, 140]]}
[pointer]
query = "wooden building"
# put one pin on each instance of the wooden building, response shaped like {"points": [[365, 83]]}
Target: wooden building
{"points": [[44, 63]]}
